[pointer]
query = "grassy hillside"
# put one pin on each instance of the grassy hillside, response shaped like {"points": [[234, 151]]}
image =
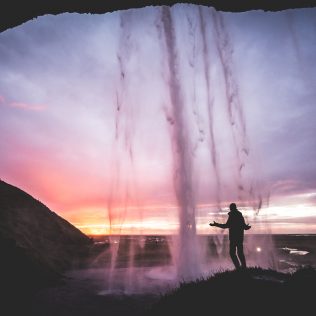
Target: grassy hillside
{"points": [[36, 244], [246, 292]]}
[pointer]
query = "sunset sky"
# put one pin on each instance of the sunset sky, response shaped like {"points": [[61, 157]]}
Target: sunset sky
{"points": [[64, 140]]}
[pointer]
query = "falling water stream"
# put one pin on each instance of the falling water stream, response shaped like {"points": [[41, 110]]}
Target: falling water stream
{"points": [[209, 59]]}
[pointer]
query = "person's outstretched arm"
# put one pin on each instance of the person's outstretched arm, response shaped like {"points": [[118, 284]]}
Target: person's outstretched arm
{"points": [[219, 225], [247, 226]]}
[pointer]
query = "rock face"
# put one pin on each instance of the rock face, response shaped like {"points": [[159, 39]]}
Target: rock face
{"points": [[15, 12], [36, 244]]}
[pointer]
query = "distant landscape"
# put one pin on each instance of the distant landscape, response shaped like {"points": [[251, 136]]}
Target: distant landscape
{"points": [[292, 251]]}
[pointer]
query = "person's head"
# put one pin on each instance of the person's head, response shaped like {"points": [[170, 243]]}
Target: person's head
{"points": [[233, 207]]}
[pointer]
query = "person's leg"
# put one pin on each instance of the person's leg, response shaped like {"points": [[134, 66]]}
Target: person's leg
{"points": [[232, 252], [241, 256]]}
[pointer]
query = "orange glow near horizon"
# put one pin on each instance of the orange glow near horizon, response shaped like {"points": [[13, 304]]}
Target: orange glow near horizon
{"points": [[90, 213], [274, 219]]}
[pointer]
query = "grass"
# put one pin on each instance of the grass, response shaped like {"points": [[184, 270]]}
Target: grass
{"points": [[244, 292]]}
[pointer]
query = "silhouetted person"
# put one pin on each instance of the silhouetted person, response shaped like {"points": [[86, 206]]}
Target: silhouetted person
{"points": [[236, 224]]}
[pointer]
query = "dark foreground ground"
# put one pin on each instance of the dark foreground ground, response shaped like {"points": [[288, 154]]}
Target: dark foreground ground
{"points": [[78, 297], [252, 291]]}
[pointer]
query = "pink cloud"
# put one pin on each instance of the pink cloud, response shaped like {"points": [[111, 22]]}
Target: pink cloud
{"points": [[22, 105], [27, 106]]}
